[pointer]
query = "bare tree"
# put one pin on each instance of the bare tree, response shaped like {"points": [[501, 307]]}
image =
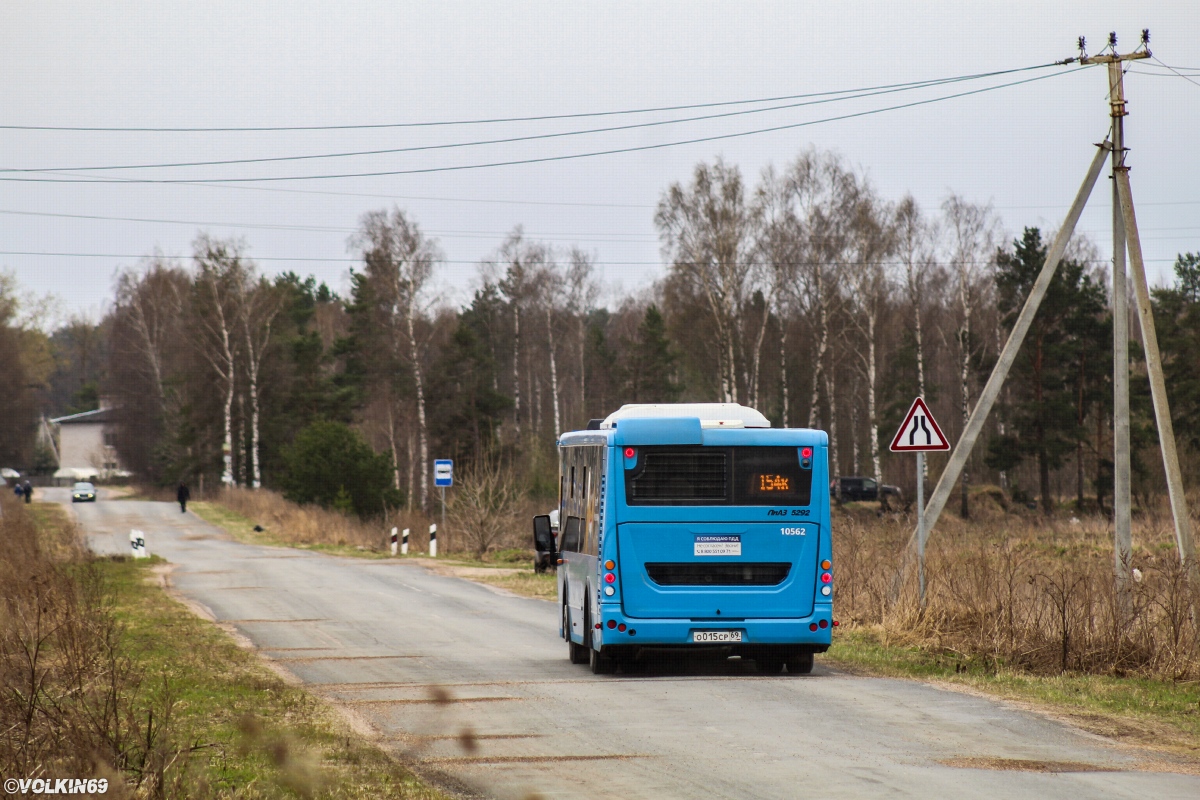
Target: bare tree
{"points": [[871, 241], [220, 288], [151, 301], [915, 245], [707, 232], [972, 232], [823, 193], [779, 244], [521, 262], [484, 504], [582, 291], [550, 291], [259, 307]]}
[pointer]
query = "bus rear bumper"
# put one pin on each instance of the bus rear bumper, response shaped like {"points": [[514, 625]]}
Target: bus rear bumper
{"points": [[681, 632]]}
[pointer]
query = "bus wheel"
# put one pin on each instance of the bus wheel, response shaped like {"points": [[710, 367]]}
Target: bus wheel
{"points": [[576, 652], [600, 662], [800, 663]]}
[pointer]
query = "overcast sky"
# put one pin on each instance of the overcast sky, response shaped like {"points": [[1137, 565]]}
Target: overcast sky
{"points": [[276, 64]]}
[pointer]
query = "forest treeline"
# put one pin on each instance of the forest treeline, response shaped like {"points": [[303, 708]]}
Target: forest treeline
{"points": [[806, 295]]}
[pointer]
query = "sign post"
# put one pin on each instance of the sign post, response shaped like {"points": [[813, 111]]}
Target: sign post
{"points": [[443, 476], [919, 433]]}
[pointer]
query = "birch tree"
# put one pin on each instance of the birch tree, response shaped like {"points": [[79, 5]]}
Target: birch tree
{"points": [[971, 232], [915, 247], [582, 292], [259, 307], [707, 234], [871, 241], [219, 288], [398, 264], [778, 254], [520, 261], [149, 301], [822, 193]]}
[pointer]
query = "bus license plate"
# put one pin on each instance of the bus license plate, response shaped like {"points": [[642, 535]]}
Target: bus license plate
{"points": [[716, 636]]}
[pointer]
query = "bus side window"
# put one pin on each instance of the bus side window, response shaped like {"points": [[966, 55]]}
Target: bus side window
{"points": [[570, 536]]}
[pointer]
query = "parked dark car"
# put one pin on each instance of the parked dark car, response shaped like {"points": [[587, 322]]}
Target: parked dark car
{"points": [[861, 489]]}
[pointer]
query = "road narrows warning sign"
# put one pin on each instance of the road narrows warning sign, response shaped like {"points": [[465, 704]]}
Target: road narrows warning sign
{"points": [[919, 432]]}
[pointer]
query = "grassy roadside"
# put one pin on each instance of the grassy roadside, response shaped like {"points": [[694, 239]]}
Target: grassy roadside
{"points": [[1158, 714], [230, 726], [507, 569], [241, 528]]}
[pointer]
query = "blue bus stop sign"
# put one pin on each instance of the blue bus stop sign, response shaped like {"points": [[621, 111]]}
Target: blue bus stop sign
{"points": [[443, 472]]}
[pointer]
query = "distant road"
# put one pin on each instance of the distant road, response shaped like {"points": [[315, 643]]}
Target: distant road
{"points": [[379, 636]]}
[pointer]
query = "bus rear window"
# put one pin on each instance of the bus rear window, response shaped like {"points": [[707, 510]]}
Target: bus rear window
{"points": [[744, 476]]}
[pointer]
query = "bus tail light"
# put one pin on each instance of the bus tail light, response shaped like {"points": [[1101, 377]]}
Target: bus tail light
{"points": [[806, 454], [630, 452], [612, 623], [812, 626], [824, 623], [826, 577], [826, 564], [621, 627]]}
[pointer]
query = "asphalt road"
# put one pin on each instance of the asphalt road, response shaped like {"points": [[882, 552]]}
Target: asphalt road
{"points": [[382, 637]]}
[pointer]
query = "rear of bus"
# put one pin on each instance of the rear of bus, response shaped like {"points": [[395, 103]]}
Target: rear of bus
{"points": [[718, 538]]}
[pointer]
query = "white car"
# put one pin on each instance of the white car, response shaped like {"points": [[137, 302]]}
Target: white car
{"points": [[83, 493]]}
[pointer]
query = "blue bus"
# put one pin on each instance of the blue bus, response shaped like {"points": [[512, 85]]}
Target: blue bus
{"points": [[693, 527]]}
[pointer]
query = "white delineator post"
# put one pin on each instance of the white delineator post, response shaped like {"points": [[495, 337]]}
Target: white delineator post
{"points": [[394, 545], [404, 543], [433, 540], [137, 543]]}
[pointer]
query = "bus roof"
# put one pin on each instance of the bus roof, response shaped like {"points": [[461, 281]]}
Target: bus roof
{"points": [[711, 415], [723, 424]]}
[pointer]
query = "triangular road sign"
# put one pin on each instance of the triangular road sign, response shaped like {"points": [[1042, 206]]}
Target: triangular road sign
{"points": [[919, 431]]}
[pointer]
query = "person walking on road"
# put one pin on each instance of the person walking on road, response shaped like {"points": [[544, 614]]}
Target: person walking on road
{"points": [[27, 488], [183, 495]]}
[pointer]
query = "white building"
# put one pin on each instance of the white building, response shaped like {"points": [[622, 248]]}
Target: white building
{"points": [[85, 446]]}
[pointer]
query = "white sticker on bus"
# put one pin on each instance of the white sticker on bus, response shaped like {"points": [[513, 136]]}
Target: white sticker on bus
{"points": [[718, 545]]}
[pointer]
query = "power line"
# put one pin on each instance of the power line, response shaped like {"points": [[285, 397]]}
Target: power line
{"points": [[547, 159], [496, 120], [1177, 72], [450, 234], [357, 260], [477, 143], [601, 236]]}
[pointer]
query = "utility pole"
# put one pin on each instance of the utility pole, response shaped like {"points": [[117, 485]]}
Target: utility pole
{"points": [[1122, 536], [1125, 238]]}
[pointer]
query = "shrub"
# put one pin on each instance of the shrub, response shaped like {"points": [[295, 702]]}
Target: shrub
{"points": [[329, 464]]}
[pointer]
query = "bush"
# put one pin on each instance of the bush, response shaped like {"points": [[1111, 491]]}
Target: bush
{"points": [[329, 464]]}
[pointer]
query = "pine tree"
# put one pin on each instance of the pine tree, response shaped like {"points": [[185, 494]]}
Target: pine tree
{"points": [[1057, 364], [651, 372]]}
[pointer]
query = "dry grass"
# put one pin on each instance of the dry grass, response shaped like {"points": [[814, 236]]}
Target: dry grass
{"points": [[1024, 592], [291, 524], [102, 675], [73, 701]]}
